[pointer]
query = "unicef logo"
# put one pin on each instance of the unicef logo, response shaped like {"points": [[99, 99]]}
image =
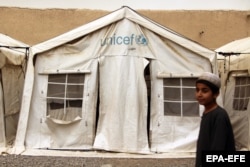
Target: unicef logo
{"points": [[141, 40], [125, 40]]}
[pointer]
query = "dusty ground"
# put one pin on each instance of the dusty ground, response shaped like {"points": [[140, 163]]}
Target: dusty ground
{"points": [[50, 161], [47, 158]]}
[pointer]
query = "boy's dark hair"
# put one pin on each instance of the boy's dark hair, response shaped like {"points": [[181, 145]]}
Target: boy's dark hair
{"points": [[213, 88]]}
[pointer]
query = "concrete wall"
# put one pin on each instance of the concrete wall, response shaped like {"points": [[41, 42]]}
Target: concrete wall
{"points": [[209, 28]]}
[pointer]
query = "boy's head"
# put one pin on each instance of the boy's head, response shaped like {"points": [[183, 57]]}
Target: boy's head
{"points": [[211, 80]]}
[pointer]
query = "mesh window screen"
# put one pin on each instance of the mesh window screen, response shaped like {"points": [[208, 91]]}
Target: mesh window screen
{"points": [[179, 97], [65, 96], [241, 93]]}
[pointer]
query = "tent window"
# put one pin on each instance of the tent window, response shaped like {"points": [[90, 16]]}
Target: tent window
{"points": [[241, 93], [179, 97], [65, 96]]}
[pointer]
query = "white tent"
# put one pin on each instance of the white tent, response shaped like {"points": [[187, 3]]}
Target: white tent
{"points": [[12, 70], [234, 69], [120, 83]]}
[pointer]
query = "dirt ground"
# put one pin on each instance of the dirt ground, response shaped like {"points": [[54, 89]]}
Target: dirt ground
{"points": [[11, 160]]}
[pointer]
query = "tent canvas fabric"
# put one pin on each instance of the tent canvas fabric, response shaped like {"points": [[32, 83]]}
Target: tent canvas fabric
{"points": [[235, 74], [86, 89], [12, 65]]}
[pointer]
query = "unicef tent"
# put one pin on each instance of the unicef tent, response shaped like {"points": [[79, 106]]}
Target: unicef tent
{"points": [[235, 74], [12, 72], [121, 83]]}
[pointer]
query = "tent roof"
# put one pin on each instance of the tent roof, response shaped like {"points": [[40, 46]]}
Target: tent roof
{"points": [[11, 51], [239, 51], [240, 47], [122, 13]]}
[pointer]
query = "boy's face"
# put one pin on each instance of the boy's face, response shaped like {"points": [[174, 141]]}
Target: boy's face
{"points": [[204, 94]]}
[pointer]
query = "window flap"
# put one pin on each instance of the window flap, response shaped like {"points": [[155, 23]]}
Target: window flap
{"points": [[57, 71], [240, 75], [177, 75], [63, 122]]}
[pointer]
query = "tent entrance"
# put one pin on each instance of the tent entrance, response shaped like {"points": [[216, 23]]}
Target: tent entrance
{"points": [[123, 107], [11, 85], [2, 113], [148, 84]]}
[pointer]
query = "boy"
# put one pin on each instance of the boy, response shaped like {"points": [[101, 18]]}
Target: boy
{"points": [[216, 132]]}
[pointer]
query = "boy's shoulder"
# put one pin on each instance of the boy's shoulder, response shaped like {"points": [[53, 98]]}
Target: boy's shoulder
{"points": [[220, 112]]}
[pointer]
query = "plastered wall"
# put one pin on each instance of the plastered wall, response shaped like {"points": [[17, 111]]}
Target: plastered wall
{"points": [[212, 29]]}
